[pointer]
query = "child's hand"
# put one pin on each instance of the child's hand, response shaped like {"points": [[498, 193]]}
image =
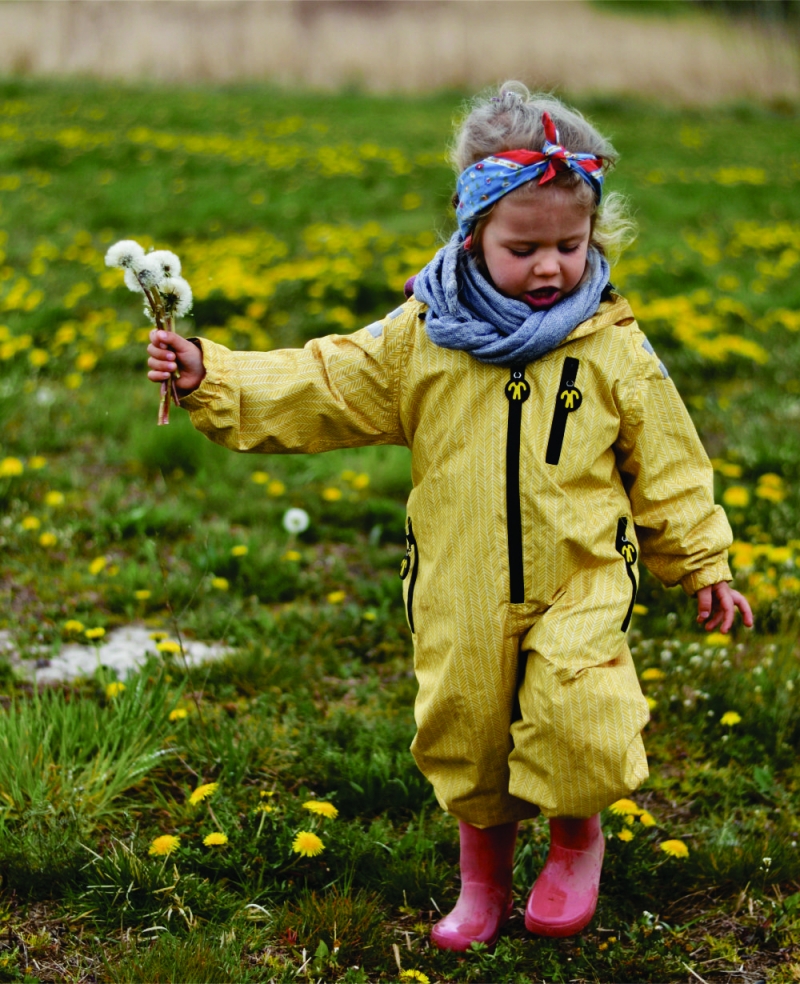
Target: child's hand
{"points": [[168, 351], [719, 602]]}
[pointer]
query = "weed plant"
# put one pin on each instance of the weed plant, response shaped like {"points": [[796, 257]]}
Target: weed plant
{"points": [[260, 818]]}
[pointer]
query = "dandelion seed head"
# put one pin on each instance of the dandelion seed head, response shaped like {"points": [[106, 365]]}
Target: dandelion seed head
{"points": [[169, 262], [295, 520], [149, 272], [132, 282], [177, 296], [124, 254]]}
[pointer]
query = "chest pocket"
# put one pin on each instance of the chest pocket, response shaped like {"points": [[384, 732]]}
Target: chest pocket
{"points": [[568, 399]]}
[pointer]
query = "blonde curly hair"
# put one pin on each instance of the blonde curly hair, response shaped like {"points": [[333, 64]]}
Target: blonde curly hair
{"points": [[511, 119]]}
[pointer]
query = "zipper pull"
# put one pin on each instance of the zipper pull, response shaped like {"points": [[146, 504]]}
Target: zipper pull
{"points": [[517, 388]]}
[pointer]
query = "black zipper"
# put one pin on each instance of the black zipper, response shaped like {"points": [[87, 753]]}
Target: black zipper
{"points": [[517, 391], [628, 553], [568, 400], [410, 564]]}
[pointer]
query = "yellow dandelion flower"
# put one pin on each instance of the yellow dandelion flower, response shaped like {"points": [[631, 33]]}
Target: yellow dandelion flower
{"points": [[322, 809], [770, 493], [215, 840], [114, 690], [96, 633], [265, 808], [73, 380], [168, 646], [293, 555], [653, 673], [361, 481], [640, 609], [652, 703], [240, 550], [717, 639], [142, 595], [647, 819], [729, 718], [675, 848], [203, 792], [348, 475], [626, 807], [736, 496], [771, 479], [37, 462], [220, 583], [414, 975], [164, 845], [30, 523], [336, 597], [307, 844], [266, 792], [97, 565], [259, 477], [276, 488], [369, 616], [54, 498], [11, 467], [178, 714], [331, 494], [626, 834], [73, 625], [48, 540]]}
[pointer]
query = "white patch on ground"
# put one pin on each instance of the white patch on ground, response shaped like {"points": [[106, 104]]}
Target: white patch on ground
{"points": [[123, 650]]}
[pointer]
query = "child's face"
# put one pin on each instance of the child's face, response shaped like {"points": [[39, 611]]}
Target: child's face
{"points": [[534, 246]]}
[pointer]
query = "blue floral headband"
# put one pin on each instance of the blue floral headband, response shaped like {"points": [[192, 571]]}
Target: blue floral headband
{"points": [[486, 182]]}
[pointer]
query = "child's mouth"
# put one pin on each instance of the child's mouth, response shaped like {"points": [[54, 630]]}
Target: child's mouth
{"points": [[543, 297]]}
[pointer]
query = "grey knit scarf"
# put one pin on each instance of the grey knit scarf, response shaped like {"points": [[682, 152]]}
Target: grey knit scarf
{"points": [[469, 314]]}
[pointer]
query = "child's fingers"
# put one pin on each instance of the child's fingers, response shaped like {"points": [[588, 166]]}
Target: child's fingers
{"points": [[704, 602], [744, 607]]}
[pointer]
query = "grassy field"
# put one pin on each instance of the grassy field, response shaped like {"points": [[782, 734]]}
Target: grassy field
{"points": [[262, 819]]}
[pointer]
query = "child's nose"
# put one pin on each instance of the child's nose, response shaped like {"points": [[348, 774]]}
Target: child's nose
{"points": [[546, 264]]}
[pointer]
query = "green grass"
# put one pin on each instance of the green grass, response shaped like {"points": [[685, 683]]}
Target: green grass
{"points": [[319, 203]]}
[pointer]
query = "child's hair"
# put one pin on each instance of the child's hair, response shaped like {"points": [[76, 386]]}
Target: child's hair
{"points": [[511, 119]]}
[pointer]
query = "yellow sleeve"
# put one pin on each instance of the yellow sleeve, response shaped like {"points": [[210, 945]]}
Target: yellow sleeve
{"points": [[338, 391], [683, 536]]}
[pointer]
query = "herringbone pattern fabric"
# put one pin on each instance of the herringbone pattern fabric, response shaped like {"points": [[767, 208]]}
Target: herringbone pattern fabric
{"points": [[529, 705]]}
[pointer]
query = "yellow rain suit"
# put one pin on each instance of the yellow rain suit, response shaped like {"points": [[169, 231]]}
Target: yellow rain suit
{"points": [[535, 489]]}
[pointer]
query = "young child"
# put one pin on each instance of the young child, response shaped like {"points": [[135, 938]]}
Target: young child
{"points": [[549, 450]]}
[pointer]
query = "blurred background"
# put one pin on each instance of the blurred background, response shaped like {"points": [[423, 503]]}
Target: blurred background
{"points": [[698, 51]]}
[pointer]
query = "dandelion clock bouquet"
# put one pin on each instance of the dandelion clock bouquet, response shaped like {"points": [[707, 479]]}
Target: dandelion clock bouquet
{"points": [[167, 296]]}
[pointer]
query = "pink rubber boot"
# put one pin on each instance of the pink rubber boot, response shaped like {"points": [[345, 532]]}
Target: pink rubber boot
{"points": [[564, 896], [484, 905]]}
